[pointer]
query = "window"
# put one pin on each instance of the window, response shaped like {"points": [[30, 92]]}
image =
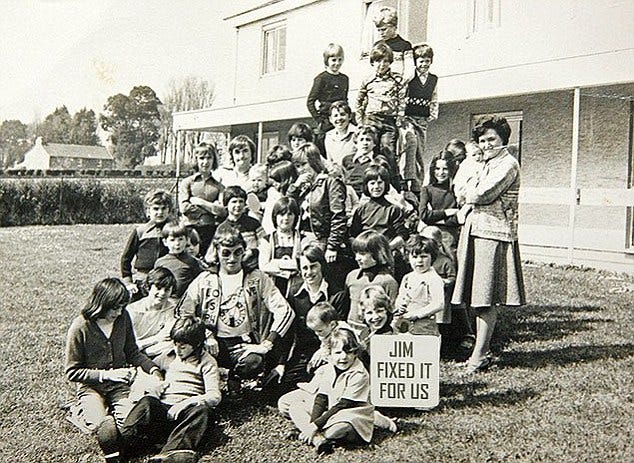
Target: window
{"points": [[483, 15], [269, 140], [274, 48], [514, 118]]}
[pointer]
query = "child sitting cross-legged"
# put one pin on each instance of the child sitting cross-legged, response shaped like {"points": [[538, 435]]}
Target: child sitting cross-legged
{"points": [[339, 411], [183, 266], [180, 409]]}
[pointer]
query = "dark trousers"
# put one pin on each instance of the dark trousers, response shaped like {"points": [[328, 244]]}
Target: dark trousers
{"points": [[387, 134], [247, 368], [148, 422]]}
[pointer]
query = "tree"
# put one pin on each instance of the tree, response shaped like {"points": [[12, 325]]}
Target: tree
{"points": [[134, 123], [56, 126], [83, 130], [184, 94], [13, 142]]}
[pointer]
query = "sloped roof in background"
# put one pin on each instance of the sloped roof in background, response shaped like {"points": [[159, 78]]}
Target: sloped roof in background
{"points": [[59, 150]]}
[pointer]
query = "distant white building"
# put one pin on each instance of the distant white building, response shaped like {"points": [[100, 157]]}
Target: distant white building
{"points": [[62, 156], [561, 72]]}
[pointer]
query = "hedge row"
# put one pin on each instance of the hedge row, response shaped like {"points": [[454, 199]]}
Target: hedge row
{"points": [[71, 201]]}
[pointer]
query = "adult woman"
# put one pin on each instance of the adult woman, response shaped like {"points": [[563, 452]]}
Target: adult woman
{"points": [[199, 196], [323, 199], [489, 267]]}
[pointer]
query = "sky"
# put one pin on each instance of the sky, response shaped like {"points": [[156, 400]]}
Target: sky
{"points": [[79, 52]]}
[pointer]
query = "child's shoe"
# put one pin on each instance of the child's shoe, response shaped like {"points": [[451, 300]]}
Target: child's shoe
{"points": [[477, 367]]}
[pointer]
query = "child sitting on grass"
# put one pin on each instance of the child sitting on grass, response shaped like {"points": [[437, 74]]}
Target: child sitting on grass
{"points": [[153, 316], [101, 356], [145, 243], [183, 266], [179, 411], [421, 294], [339, 411]]}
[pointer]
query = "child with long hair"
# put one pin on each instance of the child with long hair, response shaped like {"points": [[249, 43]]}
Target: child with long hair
{"points": [[281, 176], [339, 411], [101, 356], [376, 263]]}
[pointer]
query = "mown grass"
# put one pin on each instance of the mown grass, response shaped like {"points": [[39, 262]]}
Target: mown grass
{"points": [[562, 391]]}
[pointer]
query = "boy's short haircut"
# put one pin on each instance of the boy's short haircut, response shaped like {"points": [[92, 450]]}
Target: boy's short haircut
{"points": [[387, 16], [158, 197], [314, 253], [233, 191], [417, 245], [189, 330], [366, 130], [160, 277], [381, 50], [322, 312], [342, 106], [301, 130], [258, 170], [240, 142], [333, 49], [174, 229], [204, 148], [423, 51], [228, 236], [433, 233], [277, 154]]}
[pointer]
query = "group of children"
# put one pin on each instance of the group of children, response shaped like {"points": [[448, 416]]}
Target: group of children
{"points": [[235, 289]]}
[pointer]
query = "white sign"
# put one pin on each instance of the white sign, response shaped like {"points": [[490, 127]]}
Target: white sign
{"points": [[405, 370]]}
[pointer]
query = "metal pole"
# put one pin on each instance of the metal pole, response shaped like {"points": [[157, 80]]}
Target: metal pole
{"points": [[574, 198], [260, 129]]}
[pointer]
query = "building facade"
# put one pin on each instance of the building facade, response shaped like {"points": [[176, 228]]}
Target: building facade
{"points": [[567, 93], [62, 156]]}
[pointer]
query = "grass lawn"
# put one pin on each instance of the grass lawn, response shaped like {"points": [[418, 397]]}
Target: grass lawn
{"points": [[560, 393]]}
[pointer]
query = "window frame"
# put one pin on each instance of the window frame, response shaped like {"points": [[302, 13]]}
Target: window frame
{"points": [[483, 15], [277, 62]]}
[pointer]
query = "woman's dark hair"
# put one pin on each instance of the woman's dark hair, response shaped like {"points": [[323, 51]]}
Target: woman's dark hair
{"points": [[278, 153], [446, 156], [497, 123], [108, 294], [284, 173]]}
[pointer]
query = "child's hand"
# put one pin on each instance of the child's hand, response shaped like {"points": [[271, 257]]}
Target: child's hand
{"points": [[119, 375], [211, 344], [330, 255], [308, 435], [131, 287], [318, 359], [176, 409]]}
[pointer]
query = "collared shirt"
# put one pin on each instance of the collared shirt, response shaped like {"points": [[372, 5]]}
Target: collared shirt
{"points": [[321, 294], [196, 185], [339, 146]]}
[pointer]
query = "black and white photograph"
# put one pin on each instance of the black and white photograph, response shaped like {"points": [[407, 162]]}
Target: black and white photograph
{"points": [[361, 231]]}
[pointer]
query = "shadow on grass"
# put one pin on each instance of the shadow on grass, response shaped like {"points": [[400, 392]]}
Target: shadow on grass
{"points": [[566, 356], [543, 323]]}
